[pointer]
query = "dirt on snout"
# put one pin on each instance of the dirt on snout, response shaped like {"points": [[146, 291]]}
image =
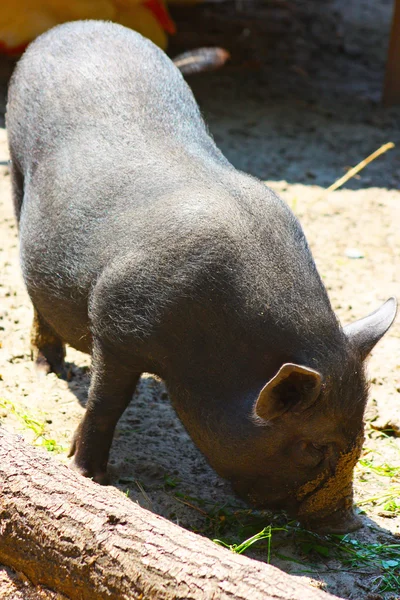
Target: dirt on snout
{"points": [[321, 505]]}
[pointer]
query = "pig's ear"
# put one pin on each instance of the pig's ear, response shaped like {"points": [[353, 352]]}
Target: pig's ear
{"points": [[366, 332], [294, 388]]}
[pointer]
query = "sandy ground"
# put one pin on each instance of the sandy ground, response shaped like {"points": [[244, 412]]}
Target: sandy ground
{"points": [[298, 104]]}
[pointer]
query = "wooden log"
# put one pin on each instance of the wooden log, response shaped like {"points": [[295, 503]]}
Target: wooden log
{"points": [[92, 543], [391, 90]]}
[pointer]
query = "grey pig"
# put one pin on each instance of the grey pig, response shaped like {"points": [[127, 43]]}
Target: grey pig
{"points": [[143, 246]]}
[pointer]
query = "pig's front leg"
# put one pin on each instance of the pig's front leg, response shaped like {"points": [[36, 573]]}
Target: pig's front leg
{"points": [[110, 392]]}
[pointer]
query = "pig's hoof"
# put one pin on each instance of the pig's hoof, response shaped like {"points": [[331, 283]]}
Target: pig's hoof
{"points": [[338, 523], [97, 475], [72, 449], [43, 367], [102, 478]]}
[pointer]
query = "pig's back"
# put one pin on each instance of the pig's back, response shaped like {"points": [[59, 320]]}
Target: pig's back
{"points": [[101, 84], [119, 170]]}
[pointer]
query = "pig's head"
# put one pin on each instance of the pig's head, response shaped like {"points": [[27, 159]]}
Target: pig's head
{"points": [[310, 433]]}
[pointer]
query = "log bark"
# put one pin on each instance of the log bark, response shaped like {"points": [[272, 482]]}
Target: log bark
{"points": [[92, 543]]}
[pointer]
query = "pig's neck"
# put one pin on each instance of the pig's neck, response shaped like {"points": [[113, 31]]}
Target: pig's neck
{"points": [[220, 425]]}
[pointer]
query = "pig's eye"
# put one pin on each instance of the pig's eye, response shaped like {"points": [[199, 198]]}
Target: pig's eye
{"points": [[319, 448], [309, 454]]}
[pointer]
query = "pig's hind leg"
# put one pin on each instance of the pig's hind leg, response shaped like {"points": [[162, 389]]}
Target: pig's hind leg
{"points": [[111, 389], [47, 348]]}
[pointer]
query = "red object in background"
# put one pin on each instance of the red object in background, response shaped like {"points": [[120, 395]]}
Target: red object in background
{"points": [[12, 51], [160, 13], [19, 27]]}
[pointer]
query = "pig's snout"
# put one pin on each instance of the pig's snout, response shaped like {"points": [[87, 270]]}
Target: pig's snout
{"points": [[326, 505], [327, 512], [340, 522]]}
